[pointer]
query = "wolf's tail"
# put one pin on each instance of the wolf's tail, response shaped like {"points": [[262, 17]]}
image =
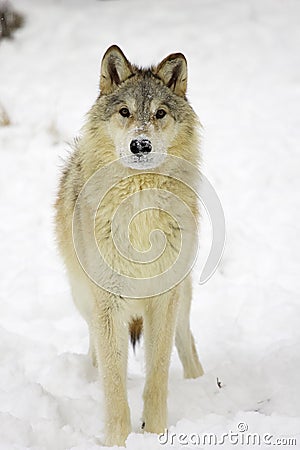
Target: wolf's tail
{"points": [[135, 330]]}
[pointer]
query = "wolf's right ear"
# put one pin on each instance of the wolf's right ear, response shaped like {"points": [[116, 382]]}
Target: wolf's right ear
{"points": [[115, 68]]}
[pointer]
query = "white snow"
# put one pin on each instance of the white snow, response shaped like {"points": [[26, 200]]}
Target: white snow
{"points": [[244, 83]]}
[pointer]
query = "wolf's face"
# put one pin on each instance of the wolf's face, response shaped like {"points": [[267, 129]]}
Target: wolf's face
{"points": [[143, 108], [142, 123]]}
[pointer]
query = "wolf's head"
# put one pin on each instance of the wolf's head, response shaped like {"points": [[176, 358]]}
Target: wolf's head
{"points": [[145, 111]]}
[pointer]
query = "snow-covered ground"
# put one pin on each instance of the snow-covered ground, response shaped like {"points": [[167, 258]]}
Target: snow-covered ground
{"points": [[244, 83]]}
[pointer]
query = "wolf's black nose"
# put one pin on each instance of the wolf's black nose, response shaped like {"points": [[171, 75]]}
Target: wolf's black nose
{"points": [[140, 146]]}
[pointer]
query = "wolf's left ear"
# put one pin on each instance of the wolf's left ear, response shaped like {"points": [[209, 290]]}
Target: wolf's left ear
{"points": [[115, 68], [173, 72]]}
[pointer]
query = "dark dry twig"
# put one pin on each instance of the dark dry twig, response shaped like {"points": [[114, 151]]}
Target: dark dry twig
{"points": [[219, 383]]}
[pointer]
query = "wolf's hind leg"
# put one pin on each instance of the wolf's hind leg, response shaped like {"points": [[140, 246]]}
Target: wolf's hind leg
{"points": [[187, 352], [84, 301], [184, 339]]}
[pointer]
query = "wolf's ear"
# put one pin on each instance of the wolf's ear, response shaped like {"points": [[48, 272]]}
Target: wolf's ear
{"points": [[115, 68], [173, 72]]}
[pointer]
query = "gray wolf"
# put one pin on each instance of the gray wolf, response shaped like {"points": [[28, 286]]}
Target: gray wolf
{"points": [[140, 118]]}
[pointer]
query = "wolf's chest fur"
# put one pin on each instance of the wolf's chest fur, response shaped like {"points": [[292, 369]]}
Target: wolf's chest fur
{"points": [[134, 226]]}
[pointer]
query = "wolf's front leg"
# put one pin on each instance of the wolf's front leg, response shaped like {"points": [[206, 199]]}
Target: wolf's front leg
{"points": [[159, 327], [110, 337]]}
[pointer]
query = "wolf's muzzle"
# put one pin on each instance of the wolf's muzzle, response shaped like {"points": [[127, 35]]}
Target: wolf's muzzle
{"points": [[140, 146]]}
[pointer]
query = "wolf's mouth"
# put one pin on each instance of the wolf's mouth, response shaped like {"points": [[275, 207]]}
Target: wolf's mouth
{"points": [[143, 161], [141, 158]]}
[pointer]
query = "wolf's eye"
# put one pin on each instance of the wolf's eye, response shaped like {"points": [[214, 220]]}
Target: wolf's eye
{"points": [[160, 113], [124, 112]]}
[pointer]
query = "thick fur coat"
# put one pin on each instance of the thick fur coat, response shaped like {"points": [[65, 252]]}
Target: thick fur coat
{"points": [[143, 128]]}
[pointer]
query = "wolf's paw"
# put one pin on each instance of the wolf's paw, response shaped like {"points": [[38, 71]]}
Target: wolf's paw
{"points": [[153, 426], [194, 370], [110, 441], [117, 434]]}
